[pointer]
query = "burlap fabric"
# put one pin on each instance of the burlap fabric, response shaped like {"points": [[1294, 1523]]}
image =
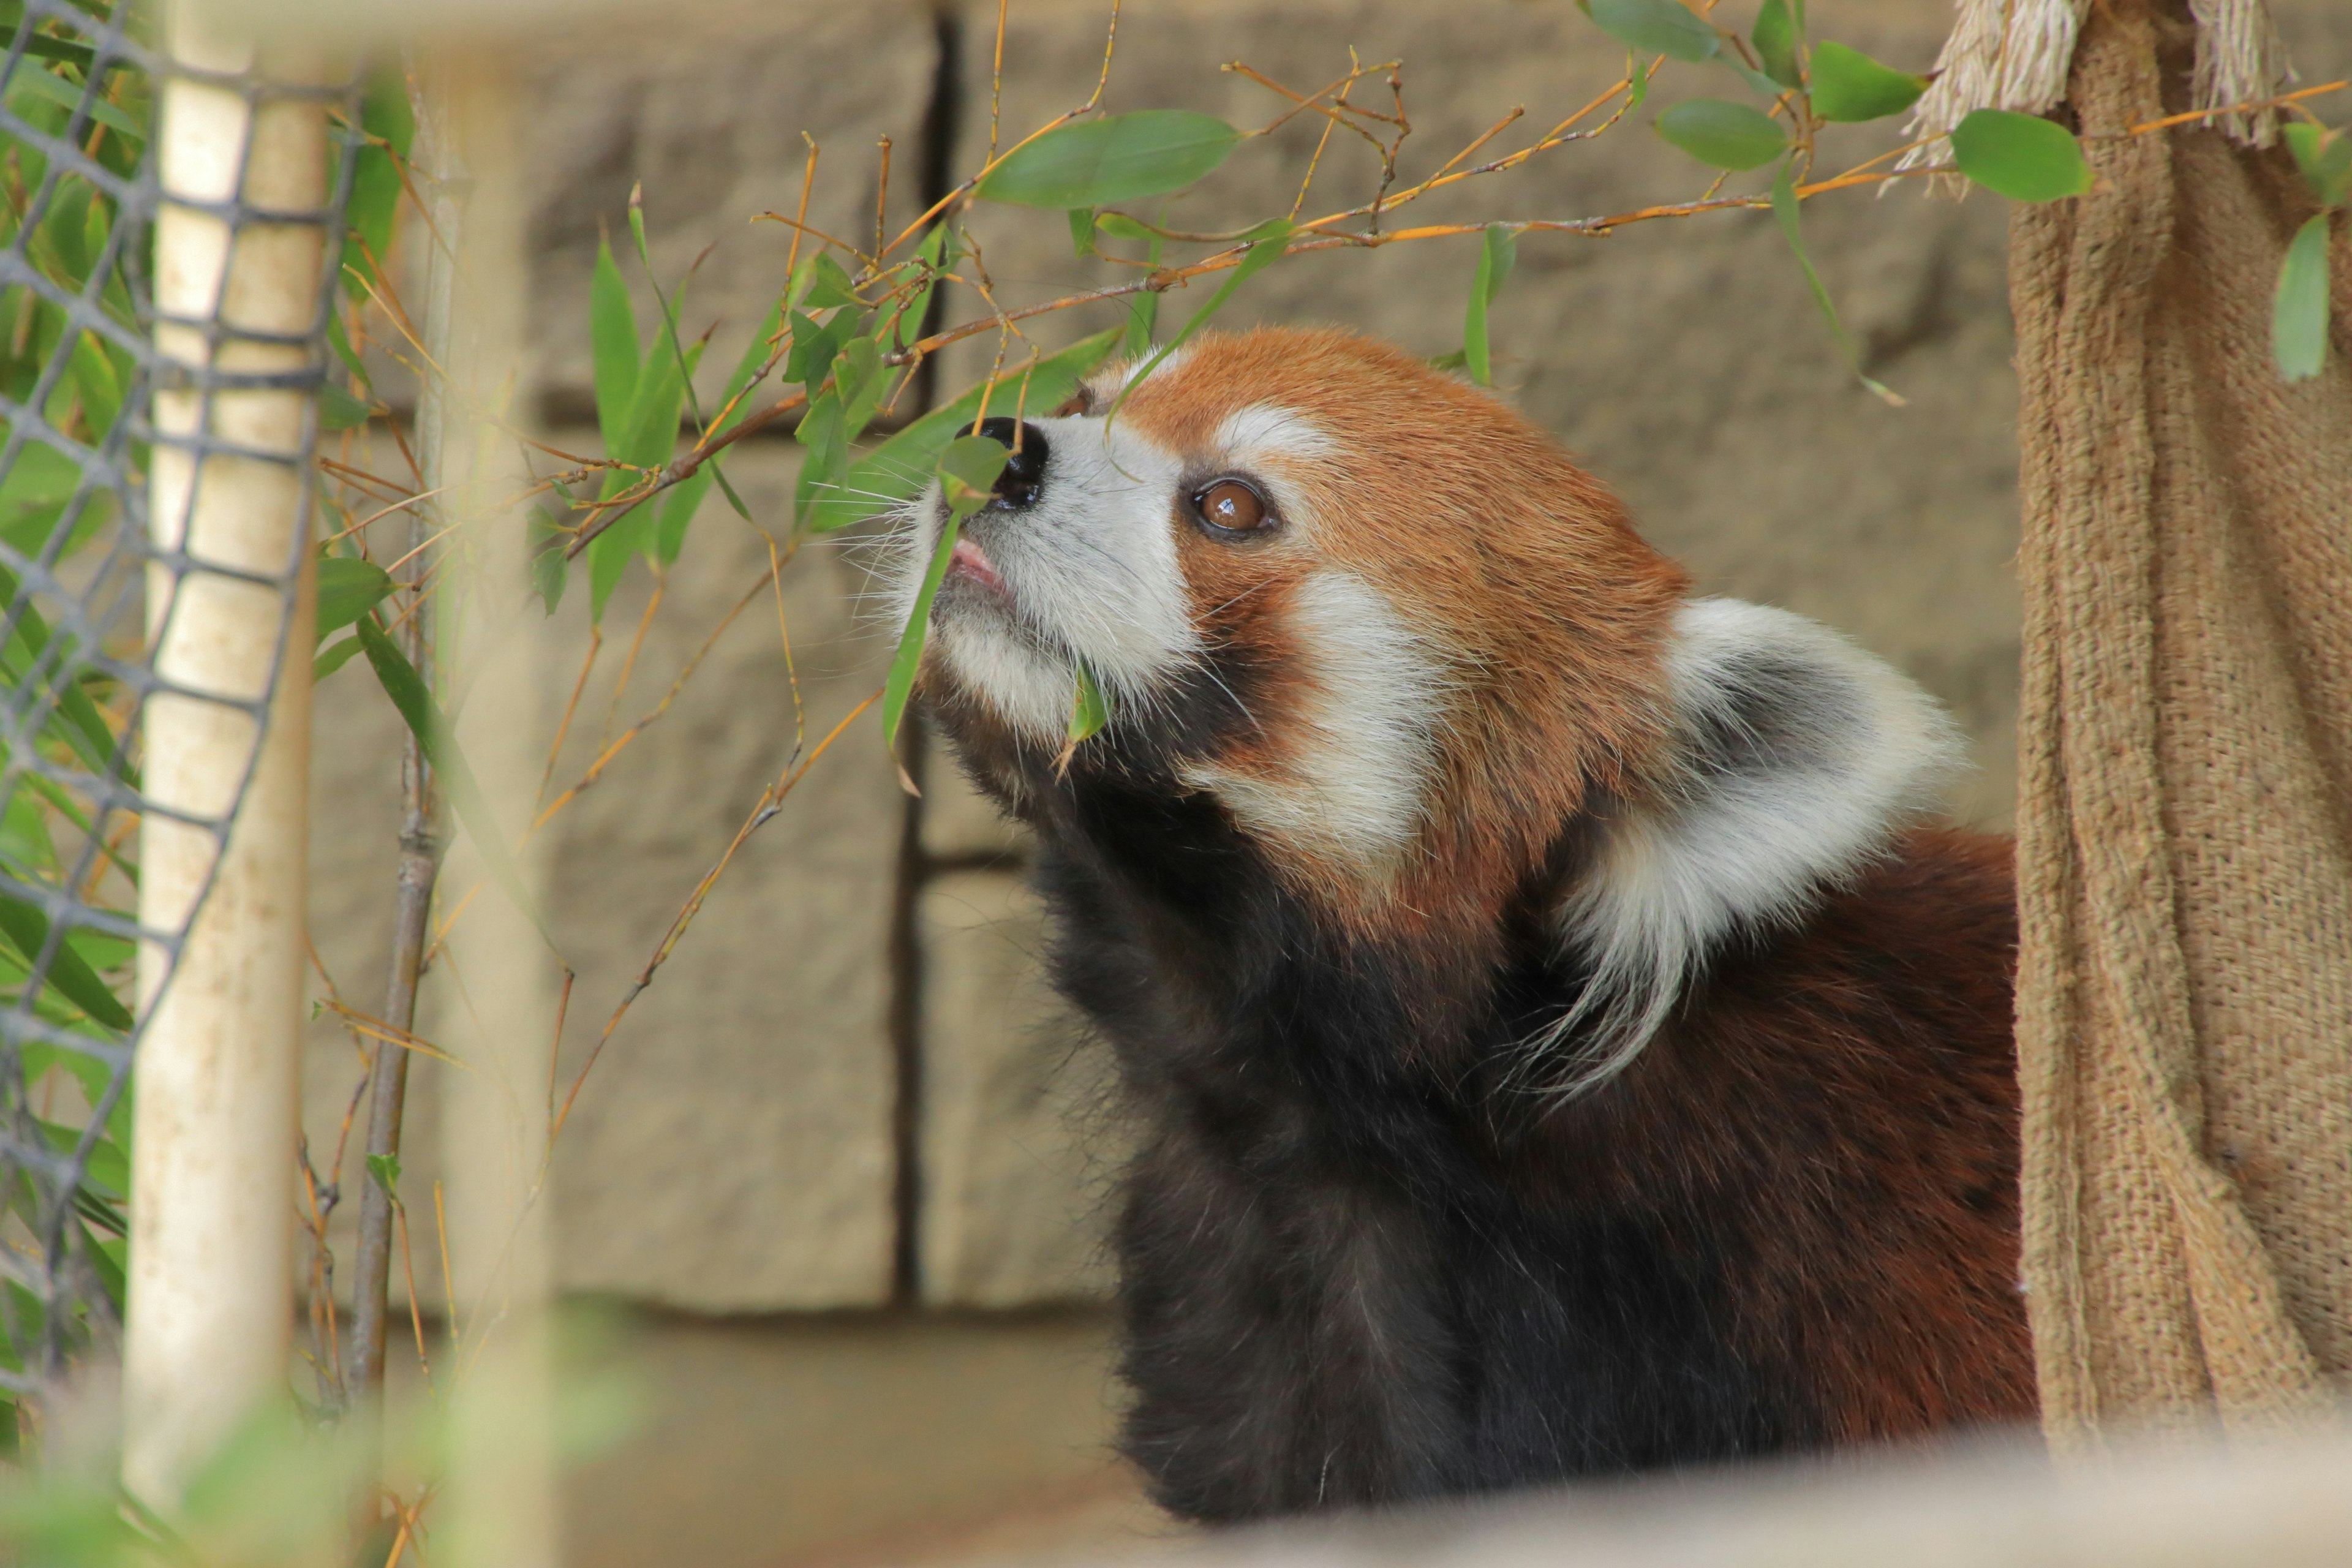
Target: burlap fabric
{"points": [[2185, 825]]}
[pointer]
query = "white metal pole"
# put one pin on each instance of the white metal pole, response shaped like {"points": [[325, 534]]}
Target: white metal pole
{"points": [[209, 1318], [495, 1005]]}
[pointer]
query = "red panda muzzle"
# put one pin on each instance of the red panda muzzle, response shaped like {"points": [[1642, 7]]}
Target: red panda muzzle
{"points": [[1558, 1047]]}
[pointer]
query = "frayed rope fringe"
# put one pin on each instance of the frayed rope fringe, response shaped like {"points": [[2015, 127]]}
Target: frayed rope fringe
{"points": [[2014, 55]]}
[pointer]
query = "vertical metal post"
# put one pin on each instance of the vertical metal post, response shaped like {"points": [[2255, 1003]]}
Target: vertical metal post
{"points": [[209, 1323], [499, 1509]]}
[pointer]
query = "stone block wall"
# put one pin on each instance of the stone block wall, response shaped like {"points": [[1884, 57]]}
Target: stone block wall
{"points": [[848, 1085]]}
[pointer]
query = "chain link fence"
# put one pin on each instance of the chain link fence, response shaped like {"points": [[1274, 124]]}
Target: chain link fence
{"points": [[137, 604]]}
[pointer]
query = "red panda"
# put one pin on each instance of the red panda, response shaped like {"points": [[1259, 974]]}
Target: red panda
{"points": [[1560, 1044]]}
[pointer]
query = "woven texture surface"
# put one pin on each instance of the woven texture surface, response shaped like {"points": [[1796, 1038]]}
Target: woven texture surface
{"points": [[2185, 821]]}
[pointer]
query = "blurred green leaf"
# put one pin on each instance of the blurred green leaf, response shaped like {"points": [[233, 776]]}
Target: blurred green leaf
{"points": [[2021, 156], [2299, 312], [1498, 249], [2325, 158], [339, 410], [1726, 135], [83, 728], [1089, 709], [1776, 44], [27, 930], [1117, 158], [383, 1170], [1849, 86], [31, 78], [1082, 231], [549, 570], [1656, 27], [333, 658], [1785, 211], [348, 589]]}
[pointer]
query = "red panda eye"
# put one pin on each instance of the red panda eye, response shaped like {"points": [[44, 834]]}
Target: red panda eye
{"points": [[1231, 506]]}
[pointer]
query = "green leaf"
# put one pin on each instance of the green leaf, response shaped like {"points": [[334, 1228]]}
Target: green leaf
{"points": [[1090, 709], [374, 204], [1082, 231], [814, 346], [900, 683], [1142, 309], [339, 410], [439, 742], [1776, 44], [861, 378], [1726, 135], [613, 346], [2299, 313], [828, 285], [825, 432], [1849, 86], [85, 729], [1784, 210], [1117, 158], [1656, 27], [57, 89], [384, 1171], [348, 589], [2324, 157], [339, 341], [2019, 156], [1498, 249], [549, 571], [969, 468], [1266, 244], [27, 930], [333, 660], [678, 506], [897, 470]]}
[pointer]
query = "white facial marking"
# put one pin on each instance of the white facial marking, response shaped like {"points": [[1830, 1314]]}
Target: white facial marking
{"points": [[1799, 757], [1090, 571], [1263, 434], [1358, 760]]}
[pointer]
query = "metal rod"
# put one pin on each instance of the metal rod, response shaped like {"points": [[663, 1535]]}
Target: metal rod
{"points": [[209, 1326]]}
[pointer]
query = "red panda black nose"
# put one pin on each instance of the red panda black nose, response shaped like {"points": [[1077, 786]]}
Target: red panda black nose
{"points": [[1025, 476]]}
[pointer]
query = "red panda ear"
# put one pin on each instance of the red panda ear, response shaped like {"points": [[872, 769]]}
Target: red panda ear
{"points": [[1794, 758]]}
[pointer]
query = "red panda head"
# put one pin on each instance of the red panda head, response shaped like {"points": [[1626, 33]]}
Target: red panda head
{"points": [[1411, 649]]}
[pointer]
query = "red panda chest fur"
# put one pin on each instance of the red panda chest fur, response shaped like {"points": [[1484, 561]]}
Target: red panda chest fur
{"points": [[1557, 1046]]}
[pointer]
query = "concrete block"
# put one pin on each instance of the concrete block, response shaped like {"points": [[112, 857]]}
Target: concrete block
{"points": [[732, 1150], [706, 109], [1019, 1137]]}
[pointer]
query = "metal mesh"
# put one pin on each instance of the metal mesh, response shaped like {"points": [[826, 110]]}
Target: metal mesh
{"points": [[87, 594]]}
